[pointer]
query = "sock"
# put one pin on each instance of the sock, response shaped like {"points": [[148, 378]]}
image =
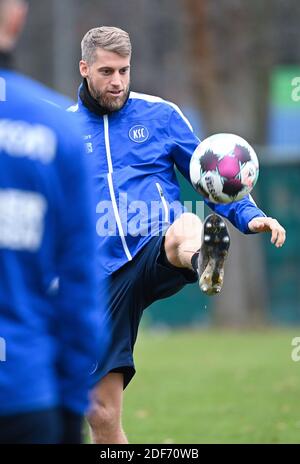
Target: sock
{"points": [[194, 260]]}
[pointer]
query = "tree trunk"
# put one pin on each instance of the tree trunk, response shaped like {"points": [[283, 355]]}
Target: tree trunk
{"points": [[226, 65]]}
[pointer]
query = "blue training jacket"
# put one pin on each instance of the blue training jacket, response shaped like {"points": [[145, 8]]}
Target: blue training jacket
{"points": [[133, 153], [48, 340]]}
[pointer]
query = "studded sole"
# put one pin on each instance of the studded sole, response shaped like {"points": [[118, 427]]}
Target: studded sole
{"points": [[214, 250]]}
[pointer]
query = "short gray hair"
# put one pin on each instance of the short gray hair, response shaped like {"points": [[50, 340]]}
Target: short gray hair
{"points": [[111, 39]]}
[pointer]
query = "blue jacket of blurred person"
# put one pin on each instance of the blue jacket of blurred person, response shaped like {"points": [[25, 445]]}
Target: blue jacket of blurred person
{"points": [[50, 335]]}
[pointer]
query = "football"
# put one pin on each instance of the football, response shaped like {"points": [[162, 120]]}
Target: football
{"points": [[224, 168]]}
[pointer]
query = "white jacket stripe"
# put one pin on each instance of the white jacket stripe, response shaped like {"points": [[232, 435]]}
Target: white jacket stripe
{"points": [[153, 99], [111, 188]]}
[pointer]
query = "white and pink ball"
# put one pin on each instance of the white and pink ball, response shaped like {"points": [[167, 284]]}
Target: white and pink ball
{"points": [[224, 168]]}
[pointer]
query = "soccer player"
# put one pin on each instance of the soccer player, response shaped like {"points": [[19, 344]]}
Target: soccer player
{"points": [[49, 336], [149, 247]]}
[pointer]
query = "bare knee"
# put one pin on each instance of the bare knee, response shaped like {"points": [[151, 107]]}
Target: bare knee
{"points": [[103, 417], [186, 227]]}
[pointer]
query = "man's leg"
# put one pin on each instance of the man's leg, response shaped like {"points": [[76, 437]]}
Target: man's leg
{"points": [[183, 239], [202, 247], [114, 371], [105, 412]]}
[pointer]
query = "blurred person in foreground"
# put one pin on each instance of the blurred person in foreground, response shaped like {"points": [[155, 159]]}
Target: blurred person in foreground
{"points": [[50, 335], [149, 247]]}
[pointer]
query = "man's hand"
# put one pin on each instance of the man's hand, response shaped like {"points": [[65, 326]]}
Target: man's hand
{"points": [[267, 224]]}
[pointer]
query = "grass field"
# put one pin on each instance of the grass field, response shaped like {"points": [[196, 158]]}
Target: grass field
{"points": [[214, 387]]}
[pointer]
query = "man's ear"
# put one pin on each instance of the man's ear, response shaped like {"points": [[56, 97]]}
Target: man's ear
{"points": [[83, 68], [17, 19]]}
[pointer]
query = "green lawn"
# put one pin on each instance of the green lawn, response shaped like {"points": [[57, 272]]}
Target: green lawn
{"points": [[214, 387]]}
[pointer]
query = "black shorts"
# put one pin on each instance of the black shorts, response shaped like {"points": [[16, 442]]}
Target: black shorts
{"points": [[47, 426], [147, 278]]}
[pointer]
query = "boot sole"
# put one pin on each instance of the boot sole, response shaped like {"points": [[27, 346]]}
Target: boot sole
{"points": [[215, 246]]}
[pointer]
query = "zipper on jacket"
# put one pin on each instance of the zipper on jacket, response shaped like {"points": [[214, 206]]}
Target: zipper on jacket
{"points": [[111, 188], [164, 202]]}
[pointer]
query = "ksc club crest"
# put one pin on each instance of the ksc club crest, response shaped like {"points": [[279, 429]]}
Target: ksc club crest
{"points": [[139, 133]]}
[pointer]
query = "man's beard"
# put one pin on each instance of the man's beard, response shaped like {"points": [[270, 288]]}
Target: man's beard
{"points": [[107, 102]]}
